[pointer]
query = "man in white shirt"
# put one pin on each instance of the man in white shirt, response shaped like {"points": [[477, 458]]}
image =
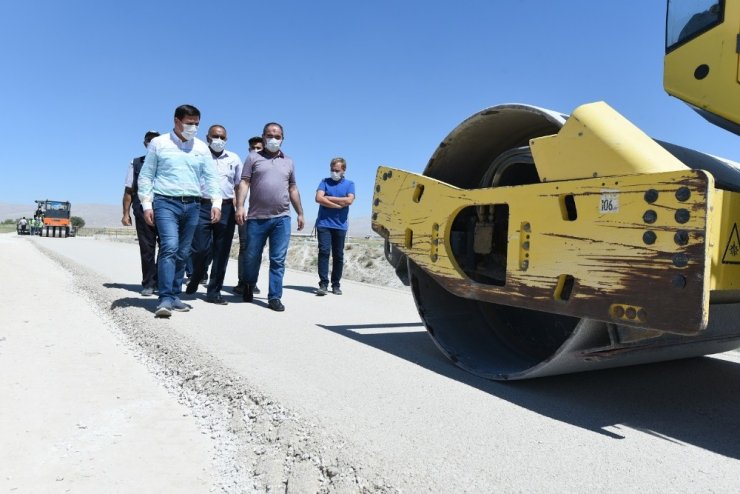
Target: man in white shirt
{"points": [[216, 237], [170, 192]]}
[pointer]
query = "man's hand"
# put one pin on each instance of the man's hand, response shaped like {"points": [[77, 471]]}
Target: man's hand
{"points": [[240, 215], [215, 215], [149, 217], [126, 220], [301, 222], [241, 194]]}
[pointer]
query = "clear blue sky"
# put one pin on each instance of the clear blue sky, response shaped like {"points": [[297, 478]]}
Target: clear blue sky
{"points": [[378, 82]]}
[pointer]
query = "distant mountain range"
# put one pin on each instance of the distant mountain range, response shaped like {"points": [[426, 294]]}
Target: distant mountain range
{"points": [[109, 216]]}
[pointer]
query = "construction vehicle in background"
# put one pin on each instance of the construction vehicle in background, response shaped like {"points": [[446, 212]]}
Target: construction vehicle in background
{"points": [[56, 217], [539, 243]]}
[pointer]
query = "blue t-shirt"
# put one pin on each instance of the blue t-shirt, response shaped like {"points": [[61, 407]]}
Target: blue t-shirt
{"points": [[333, 217]]}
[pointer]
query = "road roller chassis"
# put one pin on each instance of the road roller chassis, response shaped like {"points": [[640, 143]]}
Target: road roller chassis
{"points": [[538, 243], [627, 249]]}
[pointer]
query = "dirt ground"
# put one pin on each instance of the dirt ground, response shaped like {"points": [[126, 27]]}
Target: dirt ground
{"points": [[364, 260]]}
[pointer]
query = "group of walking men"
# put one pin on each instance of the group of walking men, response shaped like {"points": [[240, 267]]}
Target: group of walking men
{"points": [[188, 196]]}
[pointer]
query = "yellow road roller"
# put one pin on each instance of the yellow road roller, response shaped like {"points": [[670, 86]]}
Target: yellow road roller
{"points": [[539, 243]]}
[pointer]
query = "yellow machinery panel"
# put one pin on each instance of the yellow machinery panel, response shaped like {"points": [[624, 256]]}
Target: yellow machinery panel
{"points": [[703, 69], [596, 141], [724, 244], [605, 249]]}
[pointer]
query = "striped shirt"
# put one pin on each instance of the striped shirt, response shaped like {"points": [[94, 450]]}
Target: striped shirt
{"points": [[176, 168]]}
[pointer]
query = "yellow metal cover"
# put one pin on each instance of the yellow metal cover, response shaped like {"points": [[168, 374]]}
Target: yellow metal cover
{"points": [[635, 252]]}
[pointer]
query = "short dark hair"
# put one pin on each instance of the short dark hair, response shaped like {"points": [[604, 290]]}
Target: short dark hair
{"points": [[216, 125], [151, 134], [339, 160], [264, 129], [186, 111], [255, 140]]}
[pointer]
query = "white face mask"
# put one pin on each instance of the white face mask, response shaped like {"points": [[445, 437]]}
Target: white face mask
{"points": [[189, 131], [273, 144], [336, 176], [218, 145]]}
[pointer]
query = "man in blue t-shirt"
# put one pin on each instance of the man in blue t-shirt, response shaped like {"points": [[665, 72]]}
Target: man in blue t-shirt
{"points": [[334, 195]]}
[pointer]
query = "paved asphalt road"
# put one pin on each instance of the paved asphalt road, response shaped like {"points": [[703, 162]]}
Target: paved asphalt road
{"points": [[361, 369]]}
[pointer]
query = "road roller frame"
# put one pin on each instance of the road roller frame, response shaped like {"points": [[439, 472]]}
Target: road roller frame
{"points": [[607, 247], [637, 249]]}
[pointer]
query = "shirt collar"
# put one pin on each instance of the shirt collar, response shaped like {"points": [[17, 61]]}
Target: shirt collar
{"points": [[177, 140], [279, 154]]}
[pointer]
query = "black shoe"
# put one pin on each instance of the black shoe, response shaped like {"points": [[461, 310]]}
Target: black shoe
{"points": [[336, 291], [276, 305], [216, 299], [256, 290], [248, 295], [192, 287], [239, 288], [322, 290]]}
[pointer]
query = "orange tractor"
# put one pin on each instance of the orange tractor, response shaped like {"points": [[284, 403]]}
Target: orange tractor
{"points": [[56, 218]]}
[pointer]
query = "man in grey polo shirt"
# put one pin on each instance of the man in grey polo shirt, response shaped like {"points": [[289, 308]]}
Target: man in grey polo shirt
{"points": [[271, 176]]}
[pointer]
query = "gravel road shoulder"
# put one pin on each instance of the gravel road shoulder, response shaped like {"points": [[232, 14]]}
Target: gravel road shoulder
{"points": [[79, 412]]}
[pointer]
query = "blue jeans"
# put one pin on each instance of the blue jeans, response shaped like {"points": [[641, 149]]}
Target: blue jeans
{"points": [[213, 241], [331, 240], [258, 231], [176, 222]]}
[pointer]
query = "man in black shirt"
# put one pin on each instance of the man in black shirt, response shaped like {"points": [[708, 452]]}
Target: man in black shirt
{"points": [[147, 235]]}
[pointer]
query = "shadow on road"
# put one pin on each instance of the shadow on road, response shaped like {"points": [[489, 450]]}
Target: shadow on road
{"points": [[694, 401], [149, 303], [124, 286], [299, 288]]}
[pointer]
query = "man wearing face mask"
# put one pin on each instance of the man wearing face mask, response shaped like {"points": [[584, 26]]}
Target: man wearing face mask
{"points": [[334, 195], [270, 175], [211, 237], [145, 234], [170, 194]]}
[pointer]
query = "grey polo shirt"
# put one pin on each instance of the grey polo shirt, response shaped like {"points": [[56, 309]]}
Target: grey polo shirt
{"points": [[269, 180]]}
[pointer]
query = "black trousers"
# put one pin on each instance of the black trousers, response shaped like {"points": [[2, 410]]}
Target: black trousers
{"points": [[148, 242], [213, 239]]}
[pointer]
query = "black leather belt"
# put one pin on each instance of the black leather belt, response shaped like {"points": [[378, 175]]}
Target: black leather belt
{"points": [[184, 199]]}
